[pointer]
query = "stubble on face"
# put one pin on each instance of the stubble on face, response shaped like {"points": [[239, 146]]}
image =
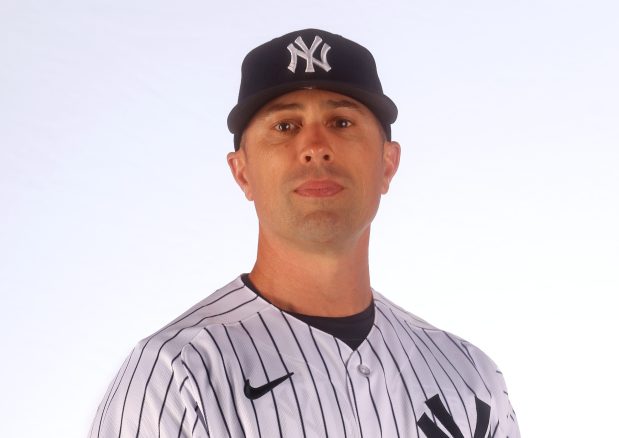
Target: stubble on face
{"points": [[319, 223], [316, 223]]}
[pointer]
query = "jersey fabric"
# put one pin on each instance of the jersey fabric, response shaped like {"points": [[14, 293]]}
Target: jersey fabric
{"points": [[234, 365]]}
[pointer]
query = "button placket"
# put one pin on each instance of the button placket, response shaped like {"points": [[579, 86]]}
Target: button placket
{"points": [[354, 378], [360, 375]]}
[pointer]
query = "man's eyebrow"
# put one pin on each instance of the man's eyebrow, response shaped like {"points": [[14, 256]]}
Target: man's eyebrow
{"points": [[342, 103], [274, 107]]}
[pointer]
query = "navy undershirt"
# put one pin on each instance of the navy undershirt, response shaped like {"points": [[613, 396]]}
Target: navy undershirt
{"points": [[351, 330]]}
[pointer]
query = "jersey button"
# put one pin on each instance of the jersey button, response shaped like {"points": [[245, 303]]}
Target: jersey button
{"points": [[364, 370]]}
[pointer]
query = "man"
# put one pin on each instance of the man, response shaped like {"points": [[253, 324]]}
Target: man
{"points": [[302, 346]]}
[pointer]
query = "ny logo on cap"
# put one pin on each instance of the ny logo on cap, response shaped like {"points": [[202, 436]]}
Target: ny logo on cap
{"points": [[308, 54]]}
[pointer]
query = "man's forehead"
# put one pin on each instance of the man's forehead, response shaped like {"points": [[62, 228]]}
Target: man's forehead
{"points": [[300, 99]]}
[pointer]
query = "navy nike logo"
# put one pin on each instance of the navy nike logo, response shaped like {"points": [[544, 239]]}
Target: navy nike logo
{"points": [[257, 392]]}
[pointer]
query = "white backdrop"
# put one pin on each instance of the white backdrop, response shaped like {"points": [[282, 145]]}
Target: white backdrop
{"points": [[117, 210]]}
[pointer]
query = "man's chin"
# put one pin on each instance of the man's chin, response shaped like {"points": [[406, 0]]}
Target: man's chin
{"points": [[324, 229]]}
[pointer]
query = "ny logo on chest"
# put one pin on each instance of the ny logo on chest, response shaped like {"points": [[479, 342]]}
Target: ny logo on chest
{"points": [[432, 430]]}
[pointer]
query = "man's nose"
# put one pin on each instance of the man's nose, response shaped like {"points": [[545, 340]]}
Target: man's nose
{"points": [[315, 146]]}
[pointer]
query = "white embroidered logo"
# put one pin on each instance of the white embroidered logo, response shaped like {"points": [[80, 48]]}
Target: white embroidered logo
{"points": [[308, 54]]}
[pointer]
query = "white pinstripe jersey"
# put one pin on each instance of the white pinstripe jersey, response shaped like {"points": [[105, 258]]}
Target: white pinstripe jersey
{"points": [[407, 379]]}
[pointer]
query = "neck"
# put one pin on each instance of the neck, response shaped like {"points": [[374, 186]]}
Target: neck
{"points": [[321, 283]]}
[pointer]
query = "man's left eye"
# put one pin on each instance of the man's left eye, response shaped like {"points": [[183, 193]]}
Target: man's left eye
{"points": [[342, 123]]}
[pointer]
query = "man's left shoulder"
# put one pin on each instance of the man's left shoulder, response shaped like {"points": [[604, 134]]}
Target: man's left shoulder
{"points": [[456, 363], [458, 352]]}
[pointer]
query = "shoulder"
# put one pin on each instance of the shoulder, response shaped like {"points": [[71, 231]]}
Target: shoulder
{"points": [[458, 351], [452, 356], [140, 395], [229, 304]]}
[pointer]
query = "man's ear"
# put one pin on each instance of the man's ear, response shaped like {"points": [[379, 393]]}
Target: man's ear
{"points": [[237, 161], [391, 162]]}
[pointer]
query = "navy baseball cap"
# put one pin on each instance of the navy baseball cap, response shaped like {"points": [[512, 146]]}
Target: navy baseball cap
{"points": [[309, 58]]}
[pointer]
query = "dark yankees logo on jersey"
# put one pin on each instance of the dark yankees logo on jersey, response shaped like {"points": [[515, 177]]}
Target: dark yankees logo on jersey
{"points": [[432, 429]]}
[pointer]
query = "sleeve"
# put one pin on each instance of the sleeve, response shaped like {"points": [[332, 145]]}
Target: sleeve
{"points": [[506, 423], [507, 411], [151, 396]]}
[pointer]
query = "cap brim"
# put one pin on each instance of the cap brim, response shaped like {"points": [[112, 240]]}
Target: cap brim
{"points": [[383, 108]]}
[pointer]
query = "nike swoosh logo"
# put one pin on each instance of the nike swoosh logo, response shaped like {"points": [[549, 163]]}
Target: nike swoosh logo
{"points": [[257, 392]]}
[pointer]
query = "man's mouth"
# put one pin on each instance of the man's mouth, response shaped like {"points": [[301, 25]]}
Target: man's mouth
{"points": [[319, 189]]}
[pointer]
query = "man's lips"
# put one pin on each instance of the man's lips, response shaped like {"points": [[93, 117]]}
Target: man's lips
{"points": [[319, 189]]}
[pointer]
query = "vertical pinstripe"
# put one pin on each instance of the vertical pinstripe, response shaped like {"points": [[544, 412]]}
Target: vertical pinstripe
{"points": [[152, 370], [395, 362], [167, 390], [210, 385], [442, 367], [294, 391], [467, 355], [352, 388], [425, 360], [380, 362], [112, 394], [243, 374], [221, 356], [309, 370], [380, 425], [188, 379], [405, 352], [337, 401], [266, 376]]}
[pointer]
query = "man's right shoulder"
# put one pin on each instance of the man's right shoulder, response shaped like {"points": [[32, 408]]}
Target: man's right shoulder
{"points": [[229, 304], [139, 397]]}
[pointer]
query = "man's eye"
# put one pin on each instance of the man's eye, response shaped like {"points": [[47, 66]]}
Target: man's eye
{"points": [[342, 123], [284, 127]]}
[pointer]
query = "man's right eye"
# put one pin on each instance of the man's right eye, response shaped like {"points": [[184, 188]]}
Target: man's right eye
{"points": [[284, 127]]}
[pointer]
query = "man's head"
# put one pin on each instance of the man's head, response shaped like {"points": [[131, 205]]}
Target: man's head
{"points": [[316, 154]]}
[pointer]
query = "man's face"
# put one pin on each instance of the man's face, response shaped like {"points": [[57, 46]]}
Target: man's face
{"points": [[315, 163]]}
